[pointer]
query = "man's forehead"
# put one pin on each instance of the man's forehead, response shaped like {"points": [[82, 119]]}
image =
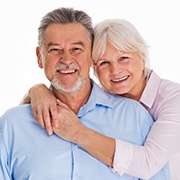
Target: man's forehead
{"points": [[70, 28], [73, 43], [74, 33]]}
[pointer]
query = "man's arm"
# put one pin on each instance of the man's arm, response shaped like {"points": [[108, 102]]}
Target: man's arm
{"points": [[4, 169]]}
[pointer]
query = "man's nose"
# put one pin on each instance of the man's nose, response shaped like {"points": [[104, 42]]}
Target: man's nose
{"points": [[66, 57]]}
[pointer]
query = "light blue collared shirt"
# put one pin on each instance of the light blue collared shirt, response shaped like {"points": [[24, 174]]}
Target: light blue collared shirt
{"points": [[28, 153]]}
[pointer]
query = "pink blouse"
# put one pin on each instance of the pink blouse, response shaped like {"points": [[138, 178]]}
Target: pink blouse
{"points": [[162, 99]]}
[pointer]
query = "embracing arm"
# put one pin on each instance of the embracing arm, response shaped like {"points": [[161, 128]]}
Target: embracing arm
{"points": [[70, 128], [45, 110], [97, 145], [141, 161], [161, 144], [26, 99]]}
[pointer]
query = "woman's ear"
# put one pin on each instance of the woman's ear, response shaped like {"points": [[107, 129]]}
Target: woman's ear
{"points": [[39, 58]]}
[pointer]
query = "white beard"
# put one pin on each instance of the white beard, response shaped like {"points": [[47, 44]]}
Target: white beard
{"points": [[60, 87]]}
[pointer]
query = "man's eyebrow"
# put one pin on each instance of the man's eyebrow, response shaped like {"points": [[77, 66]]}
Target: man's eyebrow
{"points": [[53, 44], [74, 43], [78, 43]]}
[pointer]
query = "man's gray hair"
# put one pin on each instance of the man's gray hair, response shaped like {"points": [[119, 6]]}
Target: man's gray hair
{"points": [[65, 16]]}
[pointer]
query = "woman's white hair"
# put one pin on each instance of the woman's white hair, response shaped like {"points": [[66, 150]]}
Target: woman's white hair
{"points": [[123, 36]]}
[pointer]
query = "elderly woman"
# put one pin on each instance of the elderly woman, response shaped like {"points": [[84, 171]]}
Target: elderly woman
{"points": [[121, 63]]}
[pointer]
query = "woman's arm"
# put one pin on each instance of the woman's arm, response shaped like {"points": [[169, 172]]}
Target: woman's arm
{"points": [[70, 128], [46, 109], [141, 161], [162, 142], [26, 99]]}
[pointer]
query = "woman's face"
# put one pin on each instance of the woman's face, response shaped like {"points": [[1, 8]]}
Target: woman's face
{"points": [[121, 72]]}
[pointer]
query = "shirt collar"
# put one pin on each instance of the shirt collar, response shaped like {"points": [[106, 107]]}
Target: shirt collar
{"points": [[149, 94], [97, 97]]}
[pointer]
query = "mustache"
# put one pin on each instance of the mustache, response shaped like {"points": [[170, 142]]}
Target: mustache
{"points": [[62, 66]]}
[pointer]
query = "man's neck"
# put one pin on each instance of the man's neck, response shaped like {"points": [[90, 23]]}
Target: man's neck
{"points": [[75, 100]]}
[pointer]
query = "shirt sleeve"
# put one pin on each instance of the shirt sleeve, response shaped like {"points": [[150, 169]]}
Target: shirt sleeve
{"points": [[123, 151], [161, 144], [4, 169]]}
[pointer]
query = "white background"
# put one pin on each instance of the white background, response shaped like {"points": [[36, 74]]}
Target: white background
{"points": [[157, 20]]}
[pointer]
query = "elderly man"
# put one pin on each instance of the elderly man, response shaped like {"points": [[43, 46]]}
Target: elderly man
{"points": [[27, 152]]}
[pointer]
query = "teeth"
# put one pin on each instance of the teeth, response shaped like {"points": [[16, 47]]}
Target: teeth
{"points": [[67, 71], [124, 78], [121, 79]]}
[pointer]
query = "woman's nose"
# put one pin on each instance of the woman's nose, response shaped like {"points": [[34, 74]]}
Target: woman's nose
{"points": [[115, 68]]}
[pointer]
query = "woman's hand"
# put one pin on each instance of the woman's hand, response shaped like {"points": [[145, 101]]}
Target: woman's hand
{"points": [[68, 125], [26, 99], [71, 129], [44, 106]]}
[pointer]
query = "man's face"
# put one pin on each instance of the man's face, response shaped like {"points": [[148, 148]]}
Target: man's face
{"points": [[66, 56]]}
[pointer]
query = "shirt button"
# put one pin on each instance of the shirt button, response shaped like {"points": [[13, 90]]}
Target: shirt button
{"points": [[77, 176]]}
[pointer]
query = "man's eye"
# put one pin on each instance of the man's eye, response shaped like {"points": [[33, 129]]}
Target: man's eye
{"points": [[76, 50], [55, 51]]}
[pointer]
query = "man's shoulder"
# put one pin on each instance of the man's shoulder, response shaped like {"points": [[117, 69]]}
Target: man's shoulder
{"points": [[17, 112], [130, 107], [120, 100], [18, 109]]}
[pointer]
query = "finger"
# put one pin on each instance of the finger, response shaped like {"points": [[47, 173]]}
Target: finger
{"points": [[54, 115], [47, 121], [59, 103], [38, 118]]}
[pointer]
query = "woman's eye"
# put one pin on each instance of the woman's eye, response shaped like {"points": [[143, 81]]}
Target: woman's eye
{"points": [[123, 58], [103, 63]]}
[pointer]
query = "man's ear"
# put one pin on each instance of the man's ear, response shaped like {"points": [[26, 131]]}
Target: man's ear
{"points": [[92, 63], [39, 58]]}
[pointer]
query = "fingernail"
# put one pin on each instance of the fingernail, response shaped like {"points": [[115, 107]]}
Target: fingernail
{"points": [[49, 133]]}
